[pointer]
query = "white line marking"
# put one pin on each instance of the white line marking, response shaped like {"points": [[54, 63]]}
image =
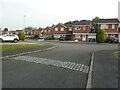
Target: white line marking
{"points": [[89, 81], [78, 67], [81, 68], [56, 63]]}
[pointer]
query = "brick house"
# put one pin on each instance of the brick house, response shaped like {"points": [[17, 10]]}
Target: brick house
{"points": [[61, 30], [111, 26], [17, 31], [81, 30], [32, 33], [47, 32], [8, 32]]}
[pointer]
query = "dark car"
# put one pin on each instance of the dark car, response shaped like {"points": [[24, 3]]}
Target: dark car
{"points": [[116, 41], [111, 40], [62, 39]]}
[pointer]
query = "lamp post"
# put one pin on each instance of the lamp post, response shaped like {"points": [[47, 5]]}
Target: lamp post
{"points": [[24, 22]]}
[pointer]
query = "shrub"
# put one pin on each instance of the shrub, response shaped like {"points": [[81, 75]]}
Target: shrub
{"points": [[36, 36], [21, 36], [100, 36]]}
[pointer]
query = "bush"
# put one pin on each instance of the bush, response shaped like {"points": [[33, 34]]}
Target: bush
{"points": [[100, 36], [21, 36], [36, 36], [49, 38]]}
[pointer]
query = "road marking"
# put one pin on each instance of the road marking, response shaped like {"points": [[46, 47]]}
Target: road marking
{"points": [[89, 80], [78, 67], [51, 62], [67, 64], [82, 67], [72, 65], [75, 67]]}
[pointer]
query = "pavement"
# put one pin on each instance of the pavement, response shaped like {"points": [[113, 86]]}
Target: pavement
{"points": [[48, 70], [105, 70]]}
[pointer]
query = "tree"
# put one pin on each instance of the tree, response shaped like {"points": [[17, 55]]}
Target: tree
{"points": [[36, 36], [69, 23], [21, 36], [5, 29], [29, 28], [94, 24], [100, 36]]}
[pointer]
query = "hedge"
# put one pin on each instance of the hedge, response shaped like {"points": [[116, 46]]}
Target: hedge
{"points": [[100, 36], [21, 36]]}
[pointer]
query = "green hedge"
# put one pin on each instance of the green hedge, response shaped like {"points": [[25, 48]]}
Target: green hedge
{"points": [[21, 36], [100, 36]]}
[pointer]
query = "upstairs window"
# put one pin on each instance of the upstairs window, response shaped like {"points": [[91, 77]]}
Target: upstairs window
{"points": [[62, 29], [104, 26], [77, 28], [45, 31], [48, 30], [56, 29], [113, 26], [84, 28]]}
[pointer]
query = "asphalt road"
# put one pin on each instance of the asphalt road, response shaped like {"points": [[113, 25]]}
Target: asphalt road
{"points": [[19, 73]]}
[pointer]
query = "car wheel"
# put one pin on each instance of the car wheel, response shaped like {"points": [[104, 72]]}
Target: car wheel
{"points": [[15, 41], [1, 40]]}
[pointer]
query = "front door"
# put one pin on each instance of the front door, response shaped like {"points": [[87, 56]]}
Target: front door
{"points": [[84, 38]]}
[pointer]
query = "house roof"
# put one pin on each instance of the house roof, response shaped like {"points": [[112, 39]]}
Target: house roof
{"points": [[114, 20], [61, 25], [83, 22], [49, 28]]}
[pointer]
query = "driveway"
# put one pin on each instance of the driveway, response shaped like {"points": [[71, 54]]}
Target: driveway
{"points": [[64, 67]]}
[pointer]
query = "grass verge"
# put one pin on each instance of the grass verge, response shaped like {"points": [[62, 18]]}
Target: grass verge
{"points": [[117, 54], [8, 47]]}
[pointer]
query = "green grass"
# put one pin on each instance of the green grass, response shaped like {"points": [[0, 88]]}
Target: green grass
{"points": [[117, 54], [7, 47]]}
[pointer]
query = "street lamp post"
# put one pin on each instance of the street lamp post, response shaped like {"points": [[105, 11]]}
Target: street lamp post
{"points": [[24, 22]]}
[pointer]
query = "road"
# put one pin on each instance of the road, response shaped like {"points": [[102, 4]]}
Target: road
{"points": [[64, 67]]}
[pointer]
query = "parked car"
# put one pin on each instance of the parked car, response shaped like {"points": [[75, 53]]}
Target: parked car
{"points": [[9, 37], [92, 40], [41, 39], [64, 38], [116, 40], [111, 40]]}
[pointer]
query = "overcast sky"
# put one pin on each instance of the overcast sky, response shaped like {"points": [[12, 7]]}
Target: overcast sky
{"points": [[42, 13]]}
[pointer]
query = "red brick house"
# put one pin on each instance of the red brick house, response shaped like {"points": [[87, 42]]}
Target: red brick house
{"points": [[61, 30], [47, 32], [111, 26], [81, 30], [8, 32], [32, 33]]}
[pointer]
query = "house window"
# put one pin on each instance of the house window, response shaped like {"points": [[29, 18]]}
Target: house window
{"points": [[62, 29], [104, 26], [113, 26], [77, 28], [48, 30], [56, 29], [45, 31], [77, 36], [84, 28]]}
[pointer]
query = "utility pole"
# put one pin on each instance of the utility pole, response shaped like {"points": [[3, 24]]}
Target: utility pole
{"points": [[24, 23]]}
